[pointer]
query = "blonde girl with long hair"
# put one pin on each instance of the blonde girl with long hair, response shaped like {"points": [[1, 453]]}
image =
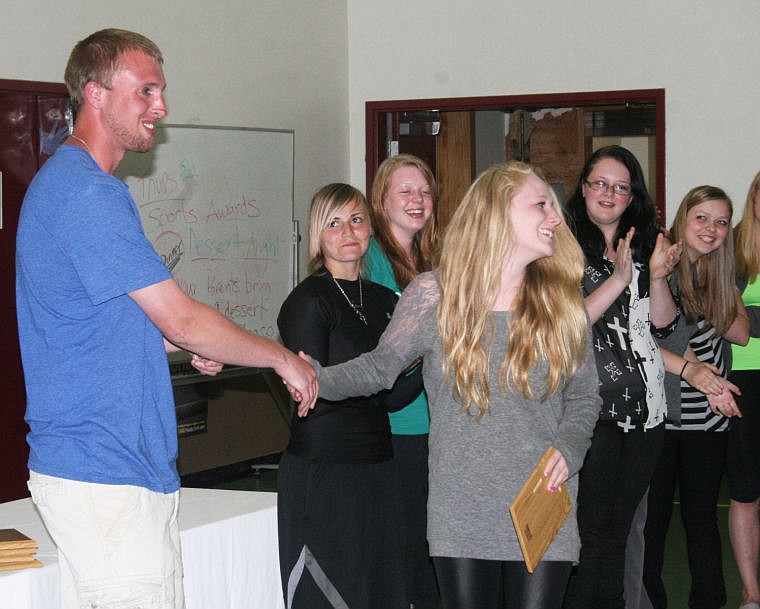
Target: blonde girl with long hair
{"points": [[507, 363], [743, 459]]}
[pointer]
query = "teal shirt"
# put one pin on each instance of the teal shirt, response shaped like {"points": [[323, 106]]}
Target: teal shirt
{"points": [[413, 419]]}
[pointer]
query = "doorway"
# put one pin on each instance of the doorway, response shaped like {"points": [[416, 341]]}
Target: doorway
{"points": [[31, 126], [460, 137]]}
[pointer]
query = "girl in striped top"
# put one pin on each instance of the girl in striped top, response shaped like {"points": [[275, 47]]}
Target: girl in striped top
{"points": [[700, 399]]}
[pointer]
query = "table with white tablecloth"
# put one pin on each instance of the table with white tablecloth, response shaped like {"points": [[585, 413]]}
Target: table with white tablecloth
{"points": [[229, 553]]}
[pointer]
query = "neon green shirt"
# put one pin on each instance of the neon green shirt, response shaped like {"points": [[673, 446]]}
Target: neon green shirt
{"points": [[748, 358]]}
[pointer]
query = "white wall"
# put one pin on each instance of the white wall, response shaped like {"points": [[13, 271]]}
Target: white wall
{"points": [[704, 55], [271, 64], [311, 66]]}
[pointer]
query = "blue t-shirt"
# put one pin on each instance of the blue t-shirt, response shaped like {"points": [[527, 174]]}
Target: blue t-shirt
{"points": [[414, 418], [99, 398]]}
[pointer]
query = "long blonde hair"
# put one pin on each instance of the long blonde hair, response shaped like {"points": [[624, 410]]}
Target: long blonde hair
{"points": [[549, 320], [425, 242], [747, 255], [707, 286]]}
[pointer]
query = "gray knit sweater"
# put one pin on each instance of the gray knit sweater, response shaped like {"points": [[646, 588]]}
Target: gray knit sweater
{"points": [[477, 466]]}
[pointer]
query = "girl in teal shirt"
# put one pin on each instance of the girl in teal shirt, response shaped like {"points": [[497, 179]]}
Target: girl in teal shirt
{"points": [[402, 208]]}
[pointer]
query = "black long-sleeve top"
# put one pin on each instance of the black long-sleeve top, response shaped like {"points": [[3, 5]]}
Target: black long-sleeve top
{"points": [[316, 318]]}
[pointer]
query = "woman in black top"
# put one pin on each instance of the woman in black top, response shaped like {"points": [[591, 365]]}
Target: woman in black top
{"points": [[337, 545]]}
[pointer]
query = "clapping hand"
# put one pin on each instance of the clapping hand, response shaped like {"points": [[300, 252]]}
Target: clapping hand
{"points": [[665, 257]]}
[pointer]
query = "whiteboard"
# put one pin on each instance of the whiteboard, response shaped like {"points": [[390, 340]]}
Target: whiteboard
{"points": [[217, 204]]}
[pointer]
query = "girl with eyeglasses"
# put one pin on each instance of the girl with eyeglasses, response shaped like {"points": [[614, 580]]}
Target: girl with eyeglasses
{"points": [[627, 297]]}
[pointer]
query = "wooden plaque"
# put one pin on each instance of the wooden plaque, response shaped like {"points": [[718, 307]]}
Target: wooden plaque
{"points": [[538, 513]]}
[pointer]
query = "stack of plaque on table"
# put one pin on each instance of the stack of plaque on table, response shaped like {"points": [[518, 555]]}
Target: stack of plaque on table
{"points": [[17, 551]]}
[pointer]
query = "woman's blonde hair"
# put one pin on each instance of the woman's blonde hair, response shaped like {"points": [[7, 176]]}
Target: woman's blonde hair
{"points": [[425, 242], [707, 286], [549, 321], [325, 202], [747, 255]]}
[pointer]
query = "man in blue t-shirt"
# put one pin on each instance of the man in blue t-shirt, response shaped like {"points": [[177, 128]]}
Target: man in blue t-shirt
{"points": [[97, 312]]}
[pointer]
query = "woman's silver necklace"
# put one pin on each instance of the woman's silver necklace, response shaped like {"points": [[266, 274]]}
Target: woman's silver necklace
{"points": [[358, 310], [81, 141]]}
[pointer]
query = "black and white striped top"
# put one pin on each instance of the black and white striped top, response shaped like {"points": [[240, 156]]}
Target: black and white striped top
{"points": [[695, 411]]}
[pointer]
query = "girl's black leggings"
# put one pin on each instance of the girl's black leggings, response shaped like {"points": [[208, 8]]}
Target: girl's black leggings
{"points": [[473, 583]]}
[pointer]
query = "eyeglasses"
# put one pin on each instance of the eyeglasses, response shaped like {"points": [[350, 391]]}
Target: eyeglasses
{"points": [[618, 190]]}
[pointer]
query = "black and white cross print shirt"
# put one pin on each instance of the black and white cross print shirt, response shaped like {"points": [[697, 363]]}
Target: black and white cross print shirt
{"points": [[628, 360]]}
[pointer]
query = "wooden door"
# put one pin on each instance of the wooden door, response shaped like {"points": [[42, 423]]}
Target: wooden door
{"points": [[456, 162]]}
